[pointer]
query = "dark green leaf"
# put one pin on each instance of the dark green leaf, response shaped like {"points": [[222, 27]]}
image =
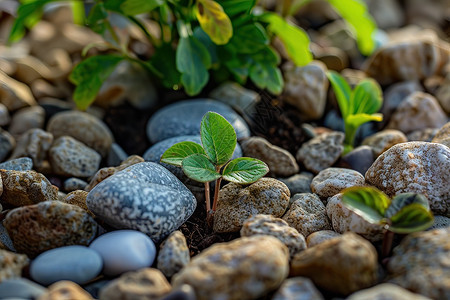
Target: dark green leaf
{"points": [[267, 55], [136, 7], [249, 38], [97, 17], [235, 7], [342, 91], [214, 21], [366, 98], [411, 218], [89, 76], [175, 154], [267, 75], [368, 202], [200, 35], [164, 61], [244, 170], [199, 168], [218, 138], [239, 66], [404, 199]]}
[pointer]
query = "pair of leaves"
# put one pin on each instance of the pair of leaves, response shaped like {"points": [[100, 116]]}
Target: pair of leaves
{"points": [[406, 213]]}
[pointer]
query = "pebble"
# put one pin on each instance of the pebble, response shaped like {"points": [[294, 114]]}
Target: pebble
{"points": [[65, 290], [340, 265], [26, 187], [145, 197], [184, 118], [4, 115], [443, 135], [280, 161], [237, 203], [25, 119], [84, 127], [386, 291], [183, 292], [20, 288], [443, 94], [5, 240], [173, 254], [18, 164], [383, 140], [440, 222], [124, 250], [116, 155], [297, 288], [321, 152], [147, 283], [307, 214], [269, 225], [321, 236], [423, 135], [7, 144], [332, 181], [245, 268], [298, 183], [32, 227], [395, 94], [34, 143], [78, 198], [241, 99], [72, 184], [359, 159], [416, 167], [70, 157], [11, 264], [74, 263], [15, 94], [420, 263], [387, 14]]}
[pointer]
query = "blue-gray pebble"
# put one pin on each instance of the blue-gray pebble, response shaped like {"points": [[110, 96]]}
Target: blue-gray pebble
{"points": [[184, 117], [18, 164], [20, 288], [74, 263], [144, 197]]}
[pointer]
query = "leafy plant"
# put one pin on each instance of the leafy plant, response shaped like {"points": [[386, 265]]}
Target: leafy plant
{"points": [[405, 213], [358, 106], [211, 160]]}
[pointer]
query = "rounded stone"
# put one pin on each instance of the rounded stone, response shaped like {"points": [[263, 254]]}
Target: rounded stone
{"points": [[7, 144], [20, 288], [173, 254], [65, 290], [318, 237], [331, 181], [443, 135], [298, 183], [11, 264], [184, 118], [386, 291], [72, 184], [297, 288], [34, 143], [18, 164], [74, 263], [124, 250], [78, 198], [383, 140], [25, 119]]}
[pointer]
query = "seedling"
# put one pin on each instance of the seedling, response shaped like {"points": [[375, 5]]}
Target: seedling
{"points": [[405, 213], [358, 106], [211, 160]]}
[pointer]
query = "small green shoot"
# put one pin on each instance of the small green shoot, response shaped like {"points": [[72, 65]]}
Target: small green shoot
{"points": [[358, 106], [405, 213], [211, 161]]}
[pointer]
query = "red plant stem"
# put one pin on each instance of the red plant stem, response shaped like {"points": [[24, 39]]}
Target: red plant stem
{"points": [[207, 199], [387, 243], [216, 193]]}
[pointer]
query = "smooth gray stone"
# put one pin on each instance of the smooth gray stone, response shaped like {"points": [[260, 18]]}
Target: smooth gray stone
{"points": [[184, 118], [20, 288], [5, 239], [18, 164], [145, 197], [359, 159], [116, 155], [7, 144]]}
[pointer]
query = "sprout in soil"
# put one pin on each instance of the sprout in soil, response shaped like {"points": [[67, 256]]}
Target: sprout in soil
{"points": [[211, 160]]}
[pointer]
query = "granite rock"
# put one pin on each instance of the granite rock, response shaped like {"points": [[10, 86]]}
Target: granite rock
{"points": [[331, 181], [321, 236], [422, 135], [33, 143], [443, 135], [173, 254], [11, 264], [78, 198], [298, 183], [297, 288], [18, 164], [72, 184], [383, 140]]}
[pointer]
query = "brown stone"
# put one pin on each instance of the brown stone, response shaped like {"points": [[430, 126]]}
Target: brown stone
{"points": [[65, 290], [11, 264]]}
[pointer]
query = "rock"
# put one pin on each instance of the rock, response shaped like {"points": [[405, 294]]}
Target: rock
{"points": [[422, 135], [18, 164], [72, 184], [33, 228], [443, 135], [84, 127], [307, 214], [396, 94], [34, 143], [359, 159], [65, 290], [298, 183], [7, 144], [20, 288], [75, 263], [343, 220], [422, 108], [237, 203], [332, 181], [297, 288], [245, 268], [440, 222], [341, 265], [4, 115], [279, 161], [241, 99], [383, 140], [321, 236], [145, 197], [11, 264], [70, 157], [15, 94], [306, 88], [116, 155], [78, 198], [183, 292], [386, 291], [26, 187], [387, 14], [124, 250], [443, 94], [5, 240], [322, 151], [25, 119], [420, 263], [147, 283], [173, 254], [173, 120], [415, 167]]}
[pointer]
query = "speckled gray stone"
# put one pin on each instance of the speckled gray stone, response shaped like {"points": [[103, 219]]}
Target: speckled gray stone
{"points": [[299, 183], [33, 143], [18, 164], [297, 288], [331, 181], [72, 184], [184, 117], [144, 197], [173, 254]]}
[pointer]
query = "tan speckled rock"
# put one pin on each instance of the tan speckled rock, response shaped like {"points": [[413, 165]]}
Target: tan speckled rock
{"points": [[423, 135], [280, 162], [276, 227], [383, 140], [47, 225], [78, 198], [318, 237], [341, 265], [26, 187], [386, 291], [443, 94], [15, 94], [443, 135], [11, 264], [343, 220], [173, 254], [307, 214], [332, 181], [237, 203], [65, 290], [417, 167], [245, 268], [34, 144]]}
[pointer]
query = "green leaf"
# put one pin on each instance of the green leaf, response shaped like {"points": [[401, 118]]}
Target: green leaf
{"points": [[199, 168], [359, 20], [136, 7], [97, 17], [214, 21], [236, 7], [249, 38], [366, 98], [193, 61], [411, 218], [342, 91], [239, 66], [357, 120], [295, 39], [89, 76], [175, 154], [218, 138], [267, 75], [404, 199], [368, 202], [164, 60], [244, 170], [200, 35]]}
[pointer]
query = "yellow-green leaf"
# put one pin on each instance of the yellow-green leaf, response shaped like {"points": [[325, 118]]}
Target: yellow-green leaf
{"points": [[214, 21]]}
